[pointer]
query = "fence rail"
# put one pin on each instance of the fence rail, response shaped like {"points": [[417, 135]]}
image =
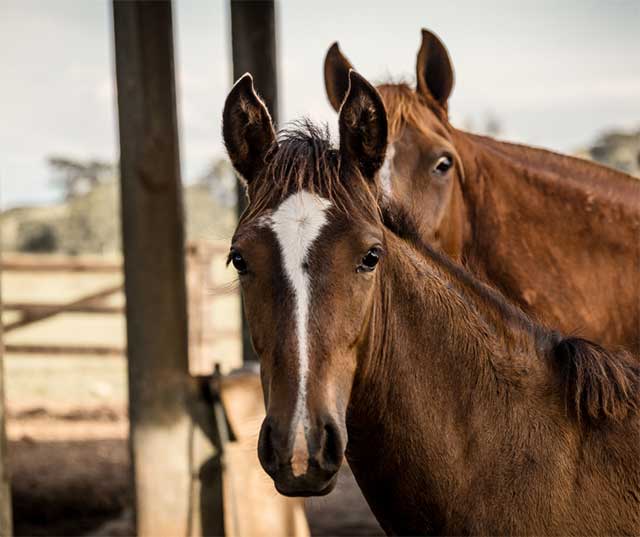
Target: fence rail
{"points": [[57, 263], [37, 308], [32, 317], [66, 350], [202, 292]]}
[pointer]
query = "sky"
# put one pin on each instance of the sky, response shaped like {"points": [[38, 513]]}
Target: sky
{"points": [[555, 74]]}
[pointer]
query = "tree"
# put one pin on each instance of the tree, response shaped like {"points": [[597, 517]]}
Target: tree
{"points": [[75, 177], [220, 180]]}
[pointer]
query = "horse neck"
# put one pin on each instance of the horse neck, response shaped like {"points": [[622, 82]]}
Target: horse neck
{"points": [[535, 217], [607, 186], [559, 186], [436, 369]]}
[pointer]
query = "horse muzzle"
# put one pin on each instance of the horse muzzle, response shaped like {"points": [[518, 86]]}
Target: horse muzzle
{"points": [[305, 461]]}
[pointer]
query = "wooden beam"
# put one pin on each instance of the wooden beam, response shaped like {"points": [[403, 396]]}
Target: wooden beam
{"points": [[253, 44], [57, 263], [160, 389], [100, 350], [39, 308], [5, 483], [33, 317], [253, 40], [65, 350]]}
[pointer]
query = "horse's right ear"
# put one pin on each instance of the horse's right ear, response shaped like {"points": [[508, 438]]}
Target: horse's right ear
{"points": [[363, 126], [336, 76], [434, 72], [247, 129]]}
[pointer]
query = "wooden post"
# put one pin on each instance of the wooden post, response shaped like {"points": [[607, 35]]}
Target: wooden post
{"points": [[5, 483], [161, 392], [253, 43]]}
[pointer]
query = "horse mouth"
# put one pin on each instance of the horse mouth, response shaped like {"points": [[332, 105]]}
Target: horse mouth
{"points": [[306, 490]]}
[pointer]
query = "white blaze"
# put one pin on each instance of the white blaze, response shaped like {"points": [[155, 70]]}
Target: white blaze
{"points": [[385, 171], [297, 223]]}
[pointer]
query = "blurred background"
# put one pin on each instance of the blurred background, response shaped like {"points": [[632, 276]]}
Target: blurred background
{"points": [[564, 76]]}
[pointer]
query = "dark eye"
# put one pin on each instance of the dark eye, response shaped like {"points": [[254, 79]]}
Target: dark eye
{"points": [[369, 261], [239, 263], [443, 165]]}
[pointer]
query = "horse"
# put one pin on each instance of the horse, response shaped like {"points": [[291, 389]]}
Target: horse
{"points": [[558, 235], [457, 413]]}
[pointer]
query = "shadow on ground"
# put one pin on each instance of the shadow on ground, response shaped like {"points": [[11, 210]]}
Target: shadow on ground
{"points": [[82, 488]]}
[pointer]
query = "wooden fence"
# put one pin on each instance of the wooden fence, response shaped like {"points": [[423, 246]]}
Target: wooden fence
{"points": [[203, 297]]}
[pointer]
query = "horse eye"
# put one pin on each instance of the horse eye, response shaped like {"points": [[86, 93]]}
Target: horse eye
{"points": [[239, 263], [443, 165], [369, 261]]}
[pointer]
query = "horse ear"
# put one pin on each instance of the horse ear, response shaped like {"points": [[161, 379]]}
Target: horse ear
{"points": [[434, 72], [247, 129], [336, 76], [363, 126]]}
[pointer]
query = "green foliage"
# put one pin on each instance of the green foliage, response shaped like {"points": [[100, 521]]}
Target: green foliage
{"points": [[37, 237]]}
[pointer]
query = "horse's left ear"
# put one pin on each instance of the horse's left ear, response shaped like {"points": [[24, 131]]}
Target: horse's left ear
{"points": [[363, 126], [247, 129], [434, 72], [336, 76]]}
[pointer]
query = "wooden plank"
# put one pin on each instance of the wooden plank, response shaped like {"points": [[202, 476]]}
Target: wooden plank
{"points": [[38, 308], [65, 350], [207, 248], [253, 41], [162, 395], [14, 262], [42, 315], [5, 484], [48, 263], [253, 44], [98, 350]]}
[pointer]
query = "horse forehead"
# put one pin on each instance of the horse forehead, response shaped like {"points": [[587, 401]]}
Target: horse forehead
{"points": [[297, 222], [431, 132]]}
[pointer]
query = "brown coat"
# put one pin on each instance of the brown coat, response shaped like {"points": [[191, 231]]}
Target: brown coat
{"points": [[458, 413], [558, 235]]}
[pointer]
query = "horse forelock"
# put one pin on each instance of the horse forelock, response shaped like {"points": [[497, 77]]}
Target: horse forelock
{"points": [[405, 106], [305, 159]]}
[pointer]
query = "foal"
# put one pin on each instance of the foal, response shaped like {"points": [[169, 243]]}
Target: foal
{"points": [[457, 414]]}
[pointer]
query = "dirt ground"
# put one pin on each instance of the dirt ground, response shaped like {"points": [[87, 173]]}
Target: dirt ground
{"points": [[69, 461], [67, 487], [70, 476]]}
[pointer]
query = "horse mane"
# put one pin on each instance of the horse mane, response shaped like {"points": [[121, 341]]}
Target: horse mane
{"points": [[304, 157], [403, 225], [599, 384], [402, 104]]}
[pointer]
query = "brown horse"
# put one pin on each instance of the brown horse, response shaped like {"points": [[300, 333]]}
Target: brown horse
{"points": [[462, 416], [557, 235]]}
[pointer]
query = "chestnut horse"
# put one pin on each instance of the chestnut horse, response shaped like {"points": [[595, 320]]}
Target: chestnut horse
{"points": [[457, 413], [557, 235]]}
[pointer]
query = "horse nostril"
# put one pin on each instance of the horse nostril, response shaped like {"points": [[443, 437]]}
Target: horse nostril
{"points": [[266, 451], [332, 447]]}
